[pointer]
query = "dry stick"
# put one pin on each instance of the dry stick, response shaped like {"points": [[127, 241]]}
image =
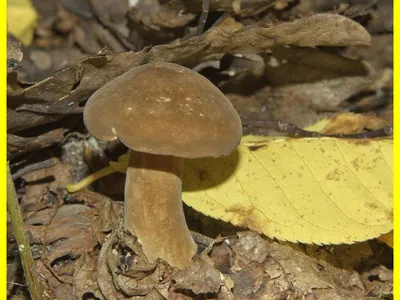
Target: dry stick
{"points": [[294, 131], [35, 288], [203, 16], [195, 6], [48, 163]]}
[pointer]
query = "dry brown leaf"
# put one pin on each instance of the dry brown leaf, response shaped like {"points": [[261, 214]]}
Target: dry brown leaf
{"points": [[252, 268], [248, 280], [39, 182], [256, 8], [379, 282], [63, 93], [51, 282], [379, 54], [64, 291], [154, 295], [123, 267], [199, 277], [72, 231], [103, 276], [287, 269], [325, 95], [85, 281], [160, 18], [250, 248], [70, 228], [109, 212], [303, 65]]}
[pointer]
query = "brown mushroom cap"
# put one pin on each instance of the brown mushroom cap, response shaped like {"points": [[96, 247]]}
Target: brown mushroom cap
{"points": [[165, 109]]}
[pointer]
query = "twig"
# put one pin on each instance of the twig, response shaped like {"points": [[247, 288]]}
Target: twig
{"points": [[34, 167], [17, 145], [35, 287], [195, 6], [203, 16], [294, 131], [14, 283]]}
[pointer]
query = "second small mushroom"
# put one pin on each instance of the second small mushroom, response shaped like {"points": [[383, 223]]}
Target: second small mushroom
{"points": [[164, 113]]}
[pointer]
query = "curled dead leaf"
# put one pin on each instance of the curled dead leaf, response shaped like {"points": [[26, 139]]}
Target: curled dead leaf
{"points": [[63, 93]]}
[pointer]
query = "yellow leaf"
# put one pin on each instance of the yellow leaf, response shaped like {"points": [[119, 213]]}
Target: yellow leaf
{"points": [[311, 190], [314, 190], [21, 20]]}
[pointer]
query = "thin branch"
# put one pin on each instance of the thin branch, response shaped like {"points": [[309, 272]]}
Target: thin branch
{"points": [[294, 131], [34, 167], [203, 16], [28, 264]]}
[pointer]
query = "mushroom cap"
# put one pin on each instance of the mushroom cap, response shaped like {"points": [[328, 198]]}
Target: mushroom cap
{"points": [[165, 109]]}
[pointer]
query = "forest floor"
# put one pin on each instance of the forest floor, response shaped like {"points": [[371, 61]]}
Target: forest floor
{"points": [[290, 61]]}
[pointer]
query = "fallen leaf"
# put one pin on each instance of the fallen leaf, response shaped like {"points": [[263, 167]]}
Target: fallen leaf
{"points": [[199, 277], [122, 266], [325, 95], [43, 182], [250, 248], [310, 190], [379, 54], [313, 190], [286, 273], [50, 281], [154, 295], [71, 229], [64, 93], [85, 278], [64, 291], [379, 282], [21, 20], [304, 65]]}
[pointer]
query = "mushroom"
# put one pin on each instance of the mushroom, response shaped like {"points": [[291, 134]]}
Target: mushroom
{"points": [[164, 113]]}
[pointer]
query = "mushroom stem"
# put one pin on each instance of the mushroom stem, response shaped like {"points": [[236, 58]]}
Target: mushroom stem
{"points": [[153, 208]]}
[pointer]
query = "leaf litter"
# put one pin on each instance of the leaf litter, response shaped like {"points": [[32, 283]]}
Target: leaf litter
{"points": [[275, 60]]}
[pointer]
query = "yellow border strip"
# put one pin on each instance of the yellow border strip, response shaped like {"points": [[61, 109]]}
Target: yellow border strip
{"points": [[396, 99], [3, 189]]}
